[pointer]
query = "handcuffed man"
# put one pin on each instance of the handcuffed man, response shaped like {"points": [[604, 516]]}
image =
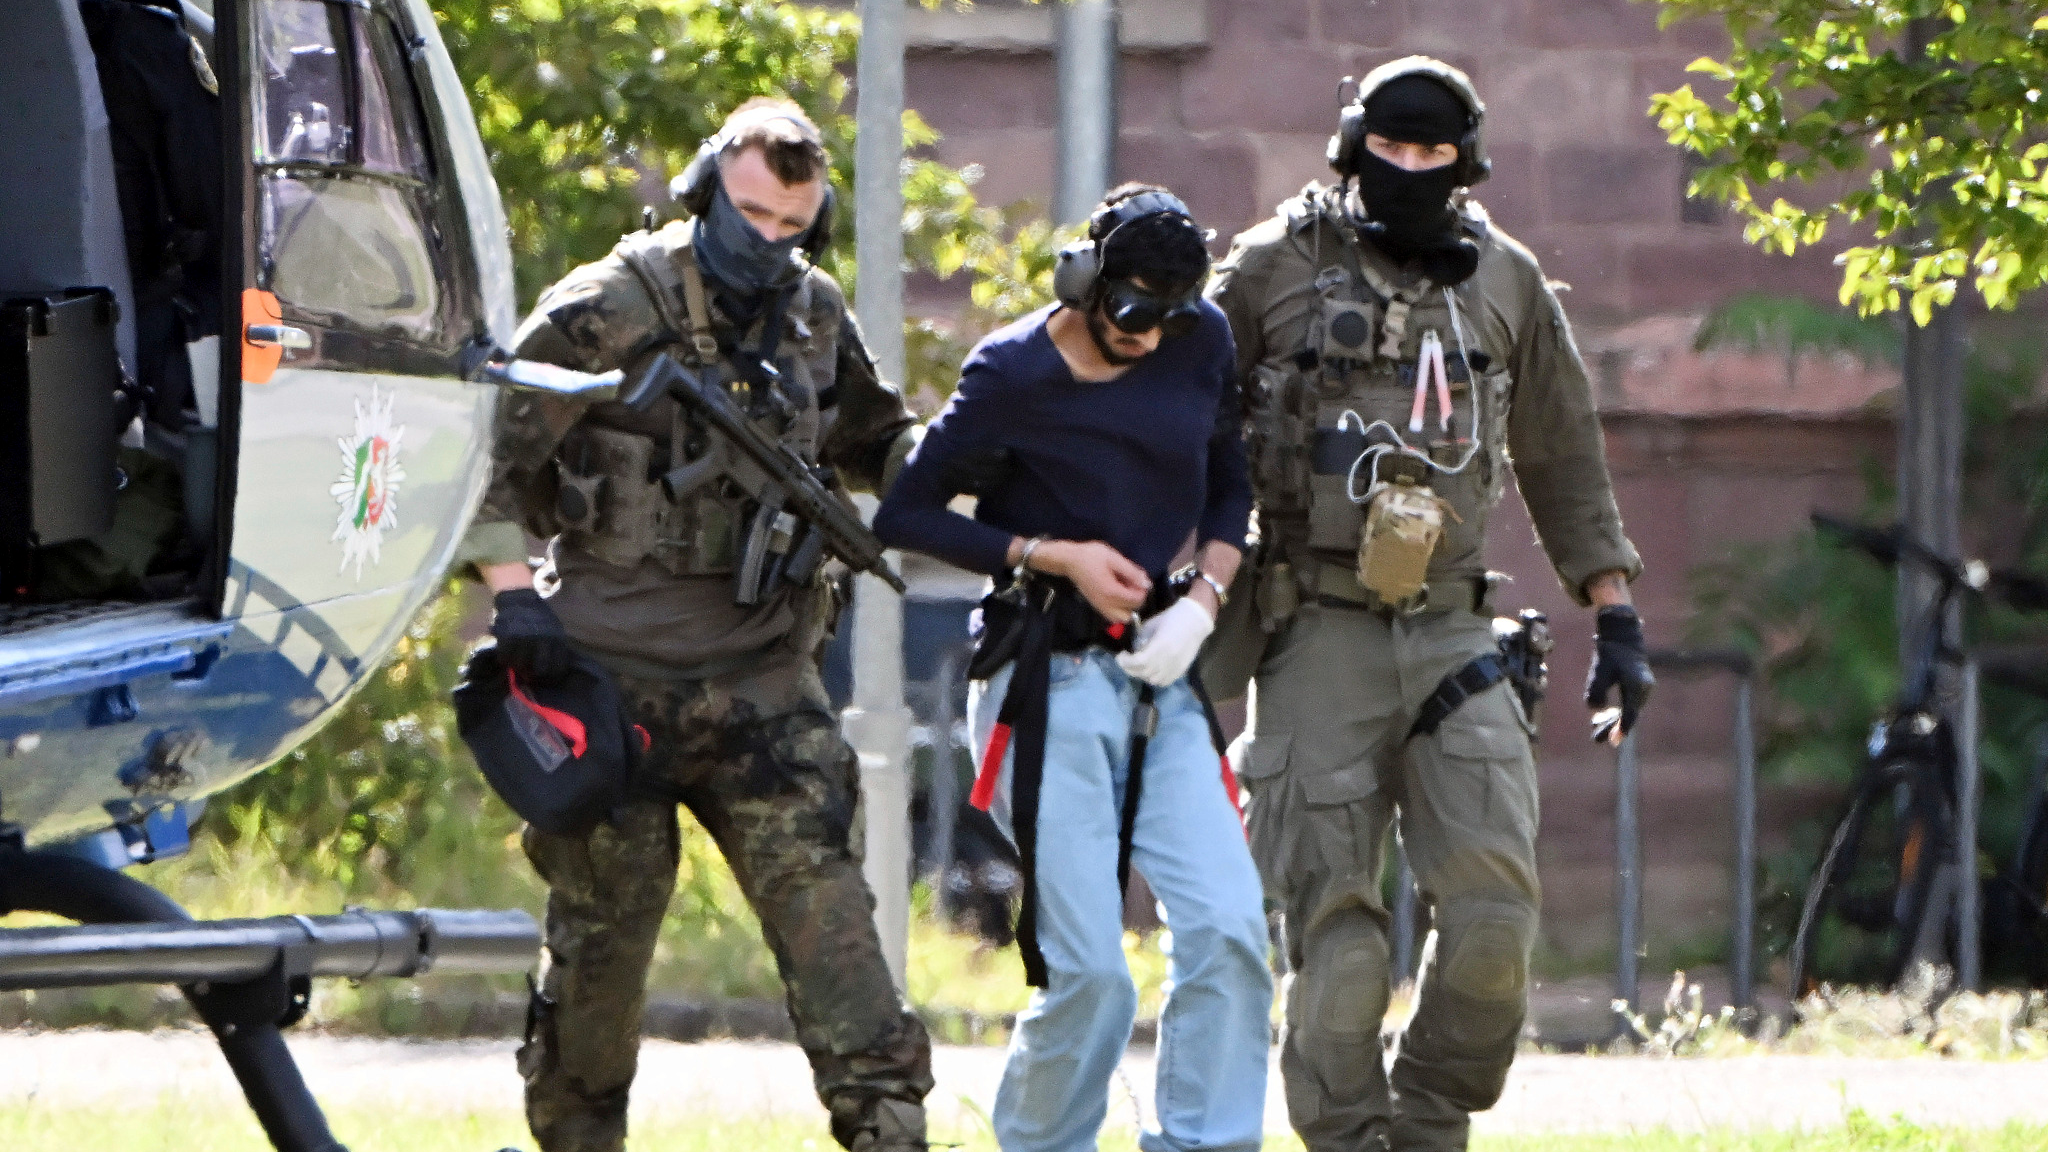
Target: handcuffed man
{"points": [[1102, 436]]}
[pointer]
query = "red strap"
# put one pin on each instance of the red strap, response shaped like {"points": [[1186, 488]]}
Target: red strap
{"points": [[1230, 790], [984, 793], [570, 727]]}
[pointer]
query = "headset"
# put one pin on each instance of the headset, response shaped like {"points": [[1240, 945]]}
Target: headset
{"points": [[699, 181], [1077, 275], [1347, 147]]}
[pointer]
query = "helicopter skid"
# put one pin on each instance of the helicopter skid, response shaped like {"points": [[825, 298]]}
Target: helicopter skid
{"points": [[248, 979]]}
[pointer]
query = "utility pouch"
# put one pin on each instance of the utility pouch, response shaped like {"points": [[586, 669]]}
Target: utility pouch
{"points": [[1404, 521], [606, 469], [578, 499], [998, 630], [1348, 329], [1279, 428], [1277, 596]]}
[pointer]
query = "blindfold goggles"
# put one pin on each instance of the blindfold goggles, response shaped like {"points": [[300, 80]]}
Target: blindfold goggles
{"points": [[1137, 310]]}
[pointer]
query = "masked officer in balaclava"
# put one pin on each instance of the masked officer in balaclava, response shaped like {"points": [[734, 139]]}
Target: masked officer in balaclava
{"points": [[1399, 357]]}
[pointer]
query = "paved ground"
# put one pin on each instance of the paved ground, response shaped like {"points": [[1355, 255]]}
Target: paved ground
{"points": [[1587, 1093]]}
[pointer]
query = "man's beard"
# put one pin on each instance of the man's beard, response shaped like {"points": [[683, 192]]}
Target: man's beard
{"points": [[1098, 331]]}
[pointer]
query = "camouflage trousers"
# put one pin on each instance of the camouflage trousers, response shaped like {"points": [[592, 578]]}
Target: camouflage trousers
{"points": [[758, 759], [1331, 769]]}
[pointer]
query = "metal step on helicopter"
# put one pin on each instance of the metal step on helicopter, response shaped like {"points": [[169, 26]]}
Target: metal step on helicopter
{"points": [[254, 282]]}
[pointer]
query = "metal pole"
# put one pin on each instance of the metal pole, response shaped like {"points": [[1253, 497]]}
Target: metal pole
{"points": [[1087, 65], [878, 725], [1628, 873], [945, 795], [1405, 908], [1743, 962], [1969, 962]]}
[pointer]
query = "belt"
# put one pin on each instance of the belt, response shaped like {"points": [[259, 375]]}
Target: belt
{"points": [[1338, 587]]}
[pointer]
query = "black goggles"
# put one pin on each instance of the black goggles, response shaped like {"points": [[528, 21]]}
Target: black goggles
{"points": [[1137, 310]]}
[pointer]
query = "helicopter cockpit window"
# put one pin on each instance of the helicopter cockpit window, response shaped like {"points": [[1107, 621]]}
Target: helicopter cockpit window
{"points": [[348, 203], [304, 102], [394, 139]]}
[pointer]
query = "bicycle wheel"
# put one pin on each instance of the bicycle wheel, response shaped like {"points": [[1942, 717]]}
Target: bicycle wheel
{"points": [[1864, 915]]}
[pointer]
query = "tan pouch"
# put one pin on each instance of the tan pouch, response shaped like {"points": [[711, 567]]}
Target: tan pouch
{"points": [[1404, 522]]}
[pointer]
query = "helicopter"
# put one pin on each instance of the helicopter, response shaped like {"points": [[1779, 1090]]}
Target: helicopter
{"points": [[293, 382]]}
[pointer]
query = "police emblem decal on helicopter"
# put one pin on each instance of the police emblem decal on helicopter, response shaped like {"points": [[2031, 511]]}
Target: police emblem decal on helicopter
{"points": [[367, 490]]}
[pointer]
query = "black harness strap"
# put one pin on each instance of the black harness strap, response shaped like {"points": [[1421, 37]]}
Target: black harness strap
{"points": [[1144, 725], [1024, 716], [1481, 673]]}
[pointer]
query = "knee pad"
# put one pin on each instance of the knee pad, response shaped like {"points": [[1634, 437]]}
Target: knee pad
{"points": [[1483, 948], [1342, 988]]}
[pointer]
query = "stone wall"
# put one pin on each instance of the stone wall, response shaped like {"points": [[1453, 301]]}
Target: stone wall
{"points": [[1230, 102]]}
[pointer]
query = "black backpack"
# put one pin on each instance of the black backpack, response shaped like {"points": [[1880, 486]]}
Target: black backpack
{"points": [[562, 755]]}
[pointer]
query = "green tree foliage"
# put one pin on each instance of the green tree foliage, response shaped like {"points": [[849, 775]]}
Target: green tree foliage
{"points": [[588, 107], [1937, 155]]}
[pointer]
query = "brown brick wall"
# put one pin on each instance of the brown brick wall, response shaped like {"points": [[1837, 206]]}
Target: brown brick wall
{"points": [[1582, 175]]}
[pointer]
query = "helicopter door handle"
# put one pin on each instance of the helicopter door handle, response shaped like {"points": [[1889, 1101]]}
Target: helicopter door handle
{"points": [[282, 335]]}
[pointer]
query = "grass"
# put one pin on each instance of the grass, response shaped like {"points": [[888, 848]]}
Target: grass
{"points": [[173, 1124]]}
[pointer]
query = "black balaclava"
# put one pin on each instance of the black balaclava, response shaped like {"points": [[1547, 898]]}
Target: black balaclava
{"points": [[1410, 213], [742, 261]]}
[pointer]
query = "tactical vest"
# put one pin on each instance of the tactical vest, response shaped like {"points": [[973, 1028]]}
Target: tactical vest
{"points": [[1354, 367], [610, 502]]}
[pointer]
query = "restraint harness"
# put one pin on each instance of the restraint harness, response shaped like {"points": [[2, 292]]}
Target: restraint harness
{"points": [[1028, 622]]}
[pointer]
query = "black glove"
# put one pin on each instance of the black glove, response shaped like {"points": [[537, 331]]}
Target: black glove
{"points": [[1620, 659], [530, 638]]}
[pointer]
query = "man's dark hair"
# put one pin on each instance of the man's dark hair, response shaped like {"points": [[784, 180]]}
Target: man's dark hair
{"points": [[787, 138], [1165, 251]]}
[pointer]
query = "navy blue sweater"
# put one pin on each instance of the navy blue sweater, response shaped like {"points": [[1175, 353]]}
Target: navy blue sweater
{"points": [[1138, 462]]}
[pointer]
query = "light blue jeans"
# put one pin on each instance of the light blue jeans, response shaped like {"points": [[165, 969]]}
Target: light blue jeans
{"points": [[1214, 1029]]}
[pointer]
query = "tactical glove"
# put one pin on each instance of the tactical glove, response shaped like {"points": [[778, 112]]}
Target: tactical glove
{"points": [[1621, 660], [531, 641], [1168, 643]]}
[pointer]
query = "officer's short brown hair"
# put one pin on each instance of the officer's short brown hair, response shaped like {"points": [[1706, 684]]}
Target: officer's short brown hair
{"points": [[787, 138]]}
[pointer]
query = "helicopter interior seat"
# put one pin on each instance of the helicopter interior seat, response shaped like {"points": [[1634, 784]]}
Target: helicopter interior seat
{"points": [[85, 199]]}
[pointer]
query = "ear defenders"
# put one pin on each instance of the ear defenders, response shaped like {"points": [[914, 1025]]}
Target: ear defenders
{"points": [[699, 180], [1077, 276], [1347, 147]]}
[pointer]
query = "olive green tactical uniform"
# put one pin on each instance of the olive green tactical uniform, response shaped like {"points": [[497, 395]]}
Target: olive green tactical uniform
{"points": [[1340, 676], [741, 730]]}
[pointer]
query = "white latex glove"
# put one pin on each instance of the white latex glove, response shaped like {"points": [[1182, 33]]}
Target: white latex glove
{"points": [[1168, 643]]}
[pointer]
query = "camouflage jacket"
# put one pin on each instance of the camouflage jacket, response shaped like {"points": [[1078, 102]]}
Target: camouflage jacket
{"points": [[647, 581], [1329, 332]]}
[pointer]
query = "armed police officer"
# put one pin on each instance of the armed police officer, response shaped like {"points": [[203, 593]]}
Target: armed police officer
{"points": [[1400, 356], [721, 672]]}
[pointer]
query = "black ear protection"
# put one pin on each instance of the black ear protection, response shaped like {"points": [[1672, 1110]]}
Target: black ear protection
{"points": [[699, 181], [1347, 147], [1078, 272]]}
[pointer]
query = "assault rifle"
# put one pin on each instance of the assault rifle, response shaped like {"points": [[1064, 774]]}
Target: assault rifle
{"points": [[798, 515]]}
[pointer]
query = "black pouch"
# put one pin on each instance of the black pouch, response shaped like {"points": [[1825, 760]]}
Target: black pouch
{"points": [[998, 630], [562, 755]]}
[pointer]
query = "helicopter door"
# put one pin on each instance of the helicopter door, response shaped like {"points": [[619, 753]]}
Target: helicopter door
{"points": [[361, 448]]}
